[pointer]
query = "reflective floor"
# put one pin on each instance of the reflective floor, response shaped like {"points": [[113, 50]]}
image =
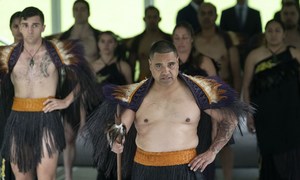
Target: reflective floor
{"points": [[88, 173]]}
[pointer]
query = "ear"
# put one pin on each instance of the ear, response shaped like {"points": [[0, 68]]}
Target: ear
{"points": [[43, 28]]}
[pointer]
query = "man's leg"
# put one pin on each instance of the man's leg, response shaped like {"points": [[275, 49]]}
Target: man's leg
{"points": [[19, 175], [46, 170], [69, 151]]}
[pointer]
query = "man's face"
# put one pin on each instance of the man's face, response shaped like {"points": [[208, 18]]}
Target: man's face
{"points": [[80, 13], [15, 29], [289, 17], [31, 29], [164, 68], [207, 16], [152, 19]]}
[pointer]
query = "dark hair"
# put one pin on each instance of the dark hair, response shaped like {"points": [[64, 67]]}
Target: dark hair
{"points": [[151, 8], [32, 11], [274, 20], [14, 16], [120, 51], [185, 25], [83, 2], [162, 46]]}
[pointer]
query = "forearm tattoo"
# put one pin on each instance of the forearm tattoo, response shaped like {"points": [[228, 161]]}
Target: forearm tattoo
{"points": [[225, 128]]}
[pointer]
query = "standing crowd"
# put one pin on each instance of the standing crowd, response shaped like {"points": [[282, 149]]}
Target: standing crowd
{"points": [[158, 105]]}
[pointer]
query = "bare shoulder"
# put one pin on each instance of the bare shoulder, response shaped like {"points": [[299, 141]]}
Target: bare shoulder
{"points": [[257, 54], [295, 53]]}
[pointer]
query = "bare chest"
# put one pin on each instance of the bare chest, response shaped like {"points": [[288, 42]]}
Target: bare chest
{"points": [[40, 70], [180, 109], [145, 44]]}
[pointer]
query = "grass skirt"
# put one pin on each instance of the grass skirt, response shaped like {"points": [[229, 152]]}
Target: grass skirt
{"points": [[24, 135]]}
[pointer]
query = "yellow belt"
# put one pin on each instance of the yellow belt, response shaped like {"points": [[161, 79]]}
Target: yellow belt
{"points": [[164, 158], [28, 104]]}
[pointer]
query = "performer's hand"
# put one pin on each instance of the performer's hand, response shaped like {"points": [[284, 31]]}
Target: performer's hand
{"points": [[52, 104], [118, 147], [250, 125], [202, 160]]}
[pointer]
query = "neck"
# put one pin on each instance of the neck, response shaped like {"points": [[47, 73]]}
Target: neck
{"points": [[275, 48], [107, 59], [208, 32], [33, 46], [183, 56]]}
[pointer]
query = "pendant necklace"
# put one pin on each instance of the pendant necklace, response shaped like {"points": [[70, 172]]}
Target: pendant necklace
{"points": [[31, 63]]}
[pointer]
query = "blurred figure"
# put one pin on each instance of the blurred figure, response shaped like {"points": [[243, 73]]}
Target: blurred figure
{"points": [[271, 82], [14, 24], [241, 19], [244, 22], [190, 61], [88, 36], [277, 14], [111, 66], [290, 18], [189, 14], [139, 45], [217, 44], [83, 31]]}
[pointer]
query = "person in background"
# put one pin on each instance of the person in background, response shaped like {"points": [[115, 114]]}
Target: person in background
{"points": [[277, 14], [88, 37], [191, 62], [217, 45], [14, 24], [189, 14], [244, 23], [139, 45], [271, 83], [290, 18]]}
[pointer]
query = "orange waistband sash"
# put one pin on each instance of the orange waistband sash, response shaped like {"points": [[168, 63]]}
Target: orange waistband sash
{"points": [[164, 158], [28, 104]]}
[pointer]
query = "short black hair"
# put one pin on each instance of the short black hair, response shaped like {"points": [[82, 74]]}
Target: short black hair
{"points": [[84, 2], [14, 16], [151, 8], [32, 11], [162, 46]]}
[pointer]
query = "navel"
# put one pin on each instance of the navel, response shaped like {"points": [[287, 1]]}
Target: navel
{"points": [[146, 120], [187, 120]]}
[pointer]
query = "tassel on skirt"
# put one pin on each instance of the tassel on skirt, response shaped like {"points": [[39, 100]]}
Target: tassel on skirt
{"points": [[30, 136]]}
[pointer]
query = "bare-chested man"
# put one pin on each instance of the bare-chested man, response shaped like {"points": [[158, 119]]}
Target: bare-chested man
{"points": [[83, 31], [289, 15], [213, 43], [32, 72], [165, 110], [88, 36], [139, 45]]}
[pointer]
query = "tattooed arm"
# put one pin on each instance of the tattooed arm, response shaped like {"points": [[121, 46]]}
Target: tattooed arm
{"points": [[226, 124]]}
